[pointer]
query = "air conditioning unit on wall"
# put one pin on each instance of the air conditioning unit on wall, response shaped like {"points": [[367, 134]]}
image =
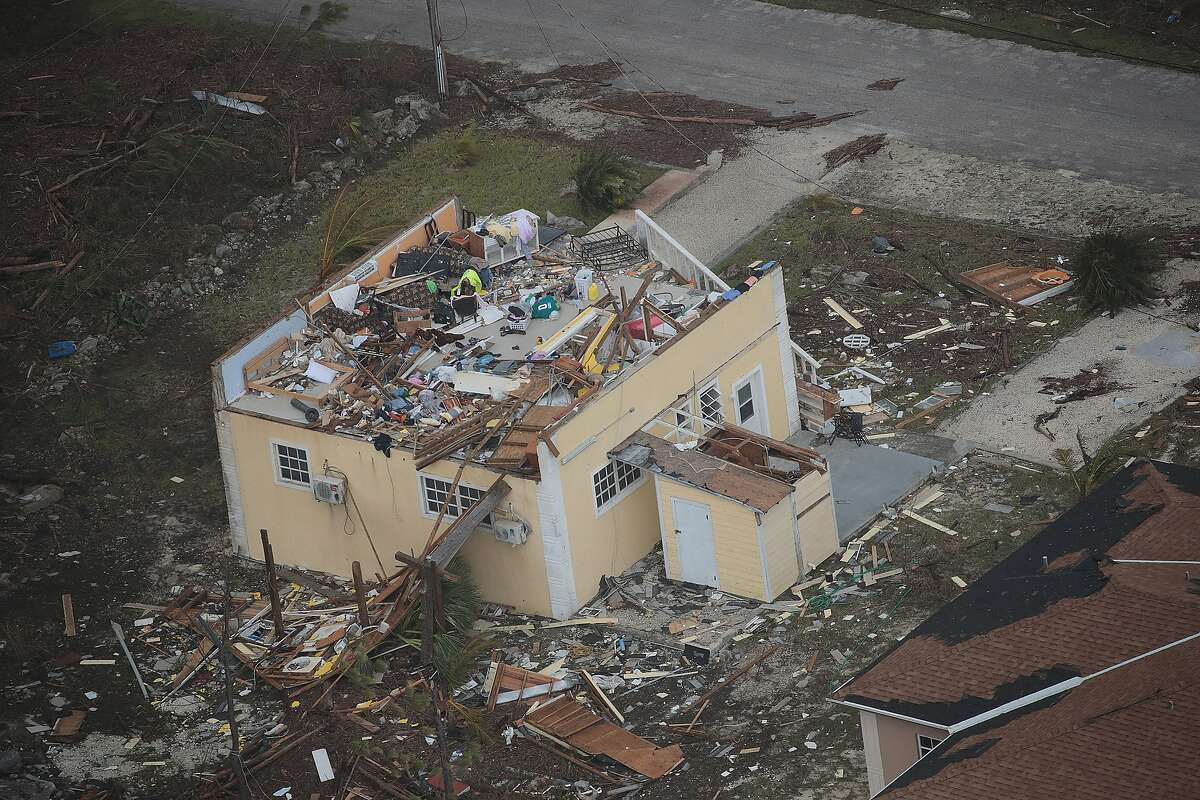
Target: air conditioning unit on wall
{"points": [[510, 531], [329, 490]]}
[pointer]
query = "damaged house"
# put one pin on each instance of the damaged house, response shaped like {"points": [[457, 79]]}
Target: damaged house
{"points": [[602, 399], [1068, 669]]}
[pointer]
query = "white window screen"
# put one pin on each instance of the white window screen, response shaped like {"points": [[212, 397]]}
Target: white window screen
{"points": [[434, 491], [613, 479], [710, 405], [925, 745], [291, 463]]}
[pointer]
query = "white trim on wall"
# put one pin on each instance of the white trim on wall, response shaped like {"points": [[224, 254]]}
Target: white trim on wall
{"points": [[758, 395], [556, 540], [277, 468], [621, 494]]}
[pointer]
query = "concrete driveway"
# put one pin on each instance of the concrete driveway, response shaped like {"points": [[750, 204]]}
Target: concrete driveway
{"points": [[990, 99]]}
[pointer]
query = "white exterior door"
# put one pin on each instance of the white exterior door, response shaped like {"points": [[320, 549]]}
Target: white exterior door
{"points": [[697, 552], [749, 403]]}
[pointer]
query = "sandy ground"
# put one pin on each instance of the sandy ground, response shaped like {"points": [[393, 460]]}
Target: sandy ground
{"points": [[1157, 358]]}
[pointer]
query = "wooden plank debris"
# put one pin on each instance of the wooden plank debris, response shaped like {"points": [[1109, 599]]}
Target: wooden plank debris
{"points": [[944, 324], [598, 693], [843, 313], [68, 615], [564, 720], [937, 526]]}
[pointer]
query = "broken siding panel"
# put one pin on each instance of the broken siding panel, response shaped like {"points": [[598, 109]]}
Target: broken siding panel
{"points": [[779, 543], [735, 538], [787, 358], [816, 523], [556, 542]]}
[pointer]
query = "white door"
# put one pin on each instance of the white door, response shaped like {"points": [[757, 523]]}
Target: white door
{"points": [[749, 405], [694, 542]]}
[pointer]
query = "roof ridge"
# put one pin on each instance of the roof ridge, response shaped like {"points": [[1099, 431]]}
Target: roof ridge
{"points": [[1037, 740], [1056, 610]]}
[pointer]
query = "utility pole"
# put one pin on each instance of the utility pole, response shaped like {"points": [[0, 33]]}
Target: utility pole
{"points": [[439, 56]]}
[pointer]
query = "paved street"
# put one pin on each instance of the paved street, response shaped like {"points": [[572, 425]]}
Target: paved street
{"points": [[990, 99]]}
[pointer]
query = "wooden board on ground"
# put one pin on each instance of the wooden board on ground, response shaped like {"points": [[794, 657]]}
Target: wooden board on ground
{"points": [[565, 720]]}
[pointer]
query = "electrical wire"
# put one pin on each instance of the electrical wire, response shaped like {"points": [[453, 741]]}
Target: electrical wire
{"points": [[1035, 37], [612, 55], [96, 274], [70, 35], [545, 38], [466, 25]]}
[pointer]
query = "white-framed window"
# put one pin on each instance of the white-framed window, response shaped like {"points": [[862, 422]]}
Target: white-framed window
{"points": [[611, 482], [434, 492], [925, 745], [291, 464], [710, 404]]}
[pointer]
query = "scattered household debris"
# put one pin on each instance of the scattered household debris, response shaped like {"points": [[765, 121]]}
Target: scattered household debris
{"points": [[885, 84]]}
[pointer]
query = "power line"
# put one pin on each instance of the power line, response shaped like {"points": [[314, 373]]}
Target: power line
{"points": [[1035, 37], [70, 35], [542, 30], [610, 52], [95, 275]]}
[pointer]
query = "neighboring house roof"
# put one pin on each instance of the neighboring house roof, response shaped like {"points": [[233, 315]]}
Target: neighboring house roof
{"points": [[1127, 733], [1029, 624]]}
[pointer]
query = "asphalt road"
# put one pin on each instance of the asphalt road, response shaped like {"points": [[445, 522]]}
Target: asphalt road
{"points": [[990, 99]]}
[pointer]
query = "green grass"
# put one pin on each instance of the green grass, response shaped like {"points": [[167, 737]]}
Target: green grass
{"points": [[1020, 26], [511, 172]]}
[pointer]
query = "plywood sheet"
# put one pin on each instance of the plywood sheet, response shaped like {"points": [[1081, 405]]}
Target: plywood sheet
{"points": [[568, 721]]}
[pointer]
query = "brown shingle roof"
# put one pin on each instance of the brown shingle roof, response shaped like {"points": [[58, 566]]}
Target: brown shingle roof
{"points": [[1022, 627], [1130, 732]]}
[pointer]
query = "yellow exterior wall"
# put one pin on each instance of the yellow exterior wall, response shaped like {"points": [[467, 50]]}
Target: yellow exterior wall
{"points": [[779, 542], [735, 538], [816, 522], [742, 335], [387, 492]]}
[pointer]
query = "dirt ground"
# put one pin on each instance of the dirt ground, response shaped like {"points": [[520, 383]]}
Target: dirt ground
{"points": [[830, 252], [1164, 33]]}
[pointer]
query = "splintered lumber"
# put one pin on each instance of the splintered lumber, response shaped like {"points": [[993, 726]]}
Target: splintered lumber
{"points": [[937, 526], [943, 324], [859, 149], [843, 313], [599, 694], [923, 413], [741, 673], [460, 530], [43, 265], [738, 121], [599, 773], [565, 720], [68, 615]]}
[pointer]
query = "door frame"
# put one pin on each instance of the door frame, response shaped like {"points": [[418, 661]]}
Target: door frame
{"points": [[758, 394]]}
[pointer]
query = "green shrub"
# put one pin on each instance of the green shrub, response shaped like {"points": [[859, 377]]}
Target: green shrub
{"points": [[466, 148], [604, 181], [1114, 270]]}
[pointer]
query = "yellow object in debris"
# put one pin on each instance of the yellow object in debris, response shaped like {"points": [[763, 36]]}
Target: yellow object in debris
{"points": [[589, 361], [295, 704], [224, 729], [593, 293], [325, 667]]}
